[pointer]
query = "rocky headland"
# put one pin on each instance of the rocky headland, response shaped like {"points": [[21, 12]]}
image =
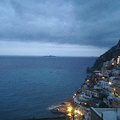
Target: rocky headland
{"points": [[107, 56]]}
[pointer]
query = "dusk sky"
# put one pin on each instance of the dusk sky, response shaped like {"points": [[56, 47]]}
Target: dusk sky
{"points": [[58, 27]]}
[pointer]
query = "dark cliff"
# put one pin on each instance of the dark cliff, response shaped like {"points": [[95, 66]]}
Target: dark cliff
{"points": [[112, 53]]}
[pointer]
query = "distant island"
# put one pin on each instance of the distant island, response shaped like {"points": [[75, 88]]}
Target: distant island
{"points": [[49, 56], [99, 95]]}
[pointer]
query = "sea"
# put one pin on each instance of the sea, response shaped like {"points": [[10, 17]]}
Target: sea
{"points": [[30, 86]]}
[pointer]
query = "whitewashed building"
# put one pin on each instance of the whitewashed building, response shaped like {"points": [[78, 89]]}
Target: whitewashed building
{"points": [[118, 60], [101, 85], [89, 93]]}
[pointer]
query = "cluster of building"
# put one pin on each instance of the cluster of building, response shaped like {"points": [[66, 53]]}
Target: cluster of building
{"points": [[100, 93]]}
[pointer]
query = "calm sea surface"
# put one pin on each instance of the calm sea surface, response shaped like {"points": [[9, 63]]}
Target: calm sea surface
{"points": [[30, 85]]}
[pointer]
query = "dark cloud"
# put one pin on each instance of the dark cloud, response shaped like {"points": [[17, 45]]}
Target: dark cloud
{"points": [[84, 22]]}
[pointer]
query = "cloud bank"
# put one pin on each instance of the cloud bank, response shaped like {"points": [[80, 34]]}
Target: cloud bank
{"points": [[77, 22]]}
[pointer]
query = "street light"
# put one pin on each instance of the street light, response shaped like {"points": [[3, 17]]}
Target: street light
{"points": [[110, 83]]}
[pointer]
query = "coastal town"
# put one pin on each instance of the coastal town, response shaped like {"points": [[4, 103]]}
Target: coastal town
{"points": [[98, 98], [100, 90]]}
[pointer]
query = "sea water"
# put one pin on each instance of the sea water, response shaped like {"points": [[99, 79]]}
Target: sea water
{"points": [[29, 86]]}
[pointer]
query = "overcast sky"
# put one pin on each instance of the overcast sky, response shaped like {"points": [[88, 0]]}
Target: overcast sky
{"points": [[58, 27]]}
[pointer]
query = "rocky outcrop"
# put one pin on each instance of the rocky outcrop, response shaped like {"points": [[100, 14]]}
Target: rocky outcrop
{"points": [[114, 52]]}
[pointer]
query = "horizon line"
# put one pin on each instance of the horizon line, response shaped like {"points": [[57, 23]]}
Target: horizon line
{"points": [[44, 56]]}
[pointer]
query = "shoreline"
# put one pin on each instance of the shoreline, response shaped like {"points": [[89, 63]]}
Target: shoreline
{"points": [[97, 91], [61, 108]]}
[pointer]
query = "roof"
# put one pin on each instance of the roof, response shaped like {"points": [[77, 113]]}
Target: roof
{"points": [[112, 78], [100, 74], [108, 113]]}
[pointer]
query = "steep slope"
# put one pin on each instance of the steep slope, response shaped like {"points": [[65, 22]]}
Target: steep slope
{"points": [[112, 53]]}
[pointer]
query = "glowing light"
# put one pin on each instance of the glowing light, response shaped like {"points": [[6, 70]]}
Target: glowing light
{"points": [[114, 89], [81, 114], [110, 83], [88, 80], [103, 78], [77, 112], [81, 95], [69, 114], [69, 109], [113, 63], [74, 96], [85, 103]]}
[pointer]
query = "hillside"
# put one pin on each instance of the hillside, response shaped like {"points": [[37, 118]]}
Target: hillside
{"points": [[111, 53]]}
